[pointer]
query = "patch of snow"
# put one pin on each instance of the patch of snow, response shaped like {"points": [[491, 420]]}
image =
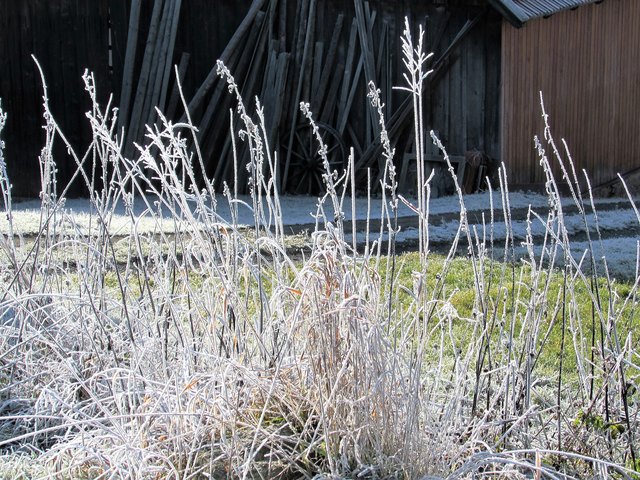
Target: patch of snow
{"points": [[621, 255], [295, 209], [619, 252], [152, 215]]}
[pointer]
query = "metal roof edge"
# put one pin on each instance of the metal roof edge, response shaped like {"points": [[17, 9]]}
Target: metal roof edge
{"points": [[518, 13], [512, 12]]}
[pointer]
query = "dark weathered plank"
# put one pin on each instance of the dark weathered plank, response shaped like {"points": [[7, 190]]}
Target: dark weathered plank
{"points": [[166, 75], [345, 86], [327, 71], [303, 68], [158, 61], [136, 123], [233, 44], [129, 60], [175, 93]]}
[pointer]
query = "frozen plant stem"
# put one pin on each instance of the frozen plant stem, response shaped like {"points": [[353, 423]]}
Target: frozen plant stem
{"points": [[415, 61]]}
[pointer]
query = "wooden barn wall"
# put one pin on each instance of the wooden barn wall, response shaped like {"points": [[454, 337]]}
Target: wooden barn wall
{"points": [[68, 36], [462, 101], [51, 32], [586, 62]]}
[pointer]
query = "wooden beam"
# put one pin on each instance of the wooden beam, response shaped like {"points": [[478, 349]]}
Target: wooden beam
{"points": [[175, 94], [231, 47], [305, 52], [169, 59], [129, 63], [398, 120], [143, 79]]}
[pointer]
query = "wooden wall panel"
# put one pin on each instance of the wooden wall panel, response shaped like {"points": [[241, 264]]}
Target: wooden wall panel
{"points": [[66, 37], [587, 64], [70, 35]]}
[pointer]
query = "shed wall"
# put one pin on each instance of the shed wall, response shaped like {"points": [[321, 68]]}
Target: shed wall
{"points": [[70, 36], [586, 62]]}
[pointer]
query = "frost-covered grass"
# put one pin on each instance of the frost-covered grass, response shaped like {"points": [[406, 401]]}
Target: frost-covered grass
{"points": [[210, 353]]}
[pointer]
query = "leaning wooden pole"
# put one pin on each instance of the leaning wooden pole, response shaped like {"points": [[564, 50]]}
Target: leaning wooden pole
{"points": [[226, 54], [129, 63], [143, 80], [169, 59], [296, 103], [172, 105], [157, 69]]}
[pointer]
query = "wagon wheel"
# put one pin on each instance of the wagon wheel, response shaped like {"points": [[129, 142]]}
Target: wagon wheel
{"points": [[306, 166]]}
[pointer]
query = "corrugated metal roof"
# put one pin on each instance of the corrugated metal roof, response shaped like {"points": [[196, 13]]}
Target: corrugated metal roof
{"points": [[520, 11]]}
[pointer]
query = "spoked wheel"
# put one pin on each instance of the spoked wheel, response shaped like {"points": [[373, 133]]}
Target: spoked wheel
{"points": [[306, 166]]}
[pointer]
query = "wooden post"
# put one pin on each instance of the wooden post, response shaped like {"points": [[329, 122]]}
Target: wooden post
{"points": [[175, 94], [308, 39], [226, 54], [169, 60], [129, 62], [143, 80]]}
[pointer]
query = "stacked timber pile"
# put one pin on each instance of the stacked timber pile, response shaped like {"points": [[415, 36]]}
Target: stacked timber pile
{"points": [[280, 53], [283, 52], [137, 110]]}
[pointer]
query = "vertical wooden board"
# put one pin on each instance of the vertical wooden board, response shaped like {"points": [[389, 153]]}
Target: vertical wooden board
{"points": [[307, 65], [96, 56], [475, 89], [345, 85], [158, 64], [329, 107], [318, 57], [170, 55], [7, 39], [5, 48], [31, 94], [299, 27], [333, 69], [328, 70], [505, 80], [449, 91], [49, 49], [456, 121], [257, 53], [119, 21], [492, 98], [174, 98], [348, 105], [65, 99], [463, 89], [83, 39], [282, 25], [127, 78], [321, 22], [18, 105], [389, 72], [136, 124], [98, 23], [84, 34]]}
